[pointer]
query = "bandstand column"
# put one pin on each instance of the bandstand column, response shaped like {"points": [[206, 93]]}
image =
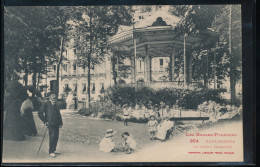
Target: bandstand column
{"points": [[187, 67], [132, 69], [172, 65], [148, 66], [186, 56]]}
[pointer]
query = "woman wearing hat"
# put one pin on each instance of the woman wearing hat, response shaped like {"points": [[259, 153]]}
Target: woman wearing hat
{"points": [[28, 120], [163, 129], [107, 144], [14, 97]]}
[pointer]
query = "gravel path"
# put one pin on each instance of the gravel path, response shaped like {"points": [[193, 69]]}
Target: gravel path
{"points": [[79, 136]]}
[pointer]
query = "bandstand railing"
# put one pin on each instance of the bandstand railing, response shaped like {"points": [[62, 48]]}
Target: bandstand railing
{"points": [[165, 84]]}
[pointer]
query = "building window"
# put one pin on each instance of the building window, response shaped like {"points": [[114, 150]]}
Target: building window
{"points": [[75, 55], [65, 67], [54, 68], [74, 68], [140, 65], [75, 87], [161, 64], [102, 90], [93, 88], [84, 88]]}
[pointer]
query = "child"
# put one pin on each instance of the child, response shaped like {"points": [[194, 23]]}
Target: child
{"points": [[152, 126], [129, 143], [126, 114], [106, 144]]}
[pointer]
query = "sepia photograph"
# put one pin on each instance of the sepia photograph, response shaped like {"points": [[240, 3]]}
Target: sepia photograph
{"points": [[122, 83]]}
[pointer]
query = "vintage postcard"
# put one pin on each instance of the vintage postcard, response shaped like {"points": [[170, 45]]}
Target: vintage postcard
{"points": [[139, 83]]}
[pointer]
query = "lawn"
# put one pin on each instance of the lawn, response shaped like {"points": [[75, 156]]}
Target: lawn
{"points": [[82, 129]]}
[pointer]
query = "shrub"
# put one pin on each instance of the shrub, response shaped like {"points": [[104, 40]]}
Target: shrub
{"points": [[108, 115], [118, 118], [209, 107], [190, 99], [185, 98], [121, 95], [85, 112], [138, 120]]}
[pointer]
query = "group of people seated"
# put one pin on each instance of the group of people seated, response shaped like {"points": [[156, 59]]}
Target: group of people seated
{"points": [[160, 126], [107, 144]]}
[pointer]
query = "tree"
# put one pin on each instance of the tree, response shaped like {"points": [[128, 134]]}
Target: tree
{"points": [[59, 25], [91, 28], [228, 24], [33, 35], [225, 20]]}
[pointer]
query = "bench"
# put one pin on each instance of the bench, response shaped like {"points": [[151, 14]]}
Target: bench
{"points": [[176, 119]]}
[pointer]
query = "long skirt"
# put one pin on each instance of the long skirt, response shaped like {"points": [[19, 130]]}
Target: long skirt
{"points": [[13, 125], [29, 124], [163, 128]]}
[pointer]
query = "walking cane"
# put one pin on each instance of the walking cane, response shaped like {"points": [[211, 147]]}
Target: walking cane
{"points": [[42, 141]]}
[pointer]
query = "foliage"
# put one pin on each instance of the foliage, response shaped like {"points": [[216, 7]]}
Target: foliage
{"points": [[85, 112], [32, 38], [198, 18], [104, 109], [121, 95], [138, 120], [210, 106], [91, 27], [188, 99], [195, 18]]}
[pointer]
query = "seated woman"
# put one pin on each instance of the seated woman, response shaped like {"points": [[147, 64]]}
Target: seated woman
{"points": [[165, 125], [107, 144]]}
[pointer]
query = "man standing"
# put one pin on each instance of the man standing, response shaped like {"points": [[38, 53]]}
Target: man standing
{"points": [[50, 115]]}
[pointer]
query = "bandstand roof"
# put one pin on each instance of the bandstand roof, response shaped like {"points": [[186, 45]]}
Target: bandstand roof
{"points": [[158, 36]]}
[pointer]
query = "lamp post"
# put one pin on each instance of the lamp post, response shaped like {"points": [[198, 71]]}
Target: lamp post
{"points": [[185, 60], [134, 39]]}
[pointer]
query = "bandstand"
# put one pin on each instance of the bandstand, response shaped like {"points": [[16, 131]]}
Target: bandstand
{"points": [[155, 36]]}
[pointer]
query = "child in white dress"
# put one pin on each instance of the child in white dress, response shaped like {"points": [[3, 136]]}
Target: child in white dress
{"points": [[152, 123], [129, 143], [106, 144], [126, 117]]}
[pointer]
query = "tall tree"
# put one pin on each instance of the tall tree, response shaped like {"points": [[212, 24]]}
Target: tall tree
{"points": [[228, 24], [59, 26], [92, 26]]}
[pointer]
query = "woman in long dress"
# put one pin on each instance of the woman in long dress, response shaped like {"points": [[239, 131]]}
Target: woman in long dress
{"points": [[28, 120], [13, 125], [165, 124]]}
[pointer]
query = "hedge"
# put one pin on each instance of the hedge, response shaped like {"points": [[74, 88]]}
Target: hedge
{"points": [[188, 99]]}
